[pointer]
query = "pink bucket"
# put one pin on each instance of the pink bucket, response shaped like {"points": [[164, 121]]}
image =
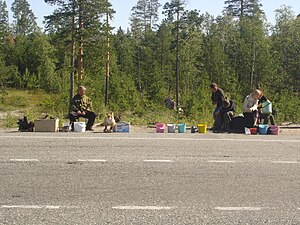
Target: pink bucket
{"points": [[160, 127], [274, 130]]}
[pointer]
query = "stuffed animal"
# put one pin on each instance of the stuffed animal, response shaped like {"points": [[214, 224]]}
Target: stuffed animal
{"points": [[109, 121]]}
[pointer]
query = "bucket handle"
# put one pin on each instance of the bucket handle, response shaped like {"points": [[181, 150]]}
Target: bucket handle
{"points": [[267, 104]]}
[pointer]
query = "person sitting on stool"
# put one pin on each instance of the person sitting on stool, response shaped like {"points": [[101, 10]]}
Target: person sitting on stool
{"points": [[81, 106], [250, 109], [265, 117]]}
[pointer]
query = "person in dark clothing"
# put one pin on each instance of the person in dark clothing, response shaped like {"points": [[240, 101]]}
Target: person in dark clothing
{"points": [[81, 106], [264, 117], [218, 97], [227, 106]]}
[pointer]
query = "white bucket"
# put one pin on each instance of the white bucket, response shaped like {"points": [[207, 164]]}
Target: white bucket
{"points": [[171, 128], [247, 131], [79, 126]]}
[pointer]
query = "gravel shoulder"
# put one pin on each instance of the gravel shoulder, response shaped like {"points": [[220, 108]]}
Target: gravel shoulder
{"points": [[284, 130]]}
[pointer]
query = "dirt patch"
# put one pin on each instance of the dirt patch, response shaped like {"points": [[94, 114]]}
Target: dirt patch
{"points": [[16, 114]]}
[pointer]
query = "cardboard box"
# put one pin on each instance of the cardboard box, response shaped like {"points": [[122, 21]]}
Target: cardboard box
{"points": [[46, 125]]}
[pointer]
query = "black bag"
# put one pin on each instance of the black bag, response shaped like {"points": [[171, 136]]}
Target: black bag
{"points": [[24, 126], [237, 124]]}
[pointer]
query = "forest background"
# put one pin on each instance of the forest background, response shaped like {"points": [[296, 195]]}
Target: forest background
{"points": [[239, 50]]}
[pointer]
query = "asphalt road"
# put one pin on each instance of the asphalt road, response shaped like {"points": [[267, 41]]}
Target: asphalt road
{"points": [[96, 178]]}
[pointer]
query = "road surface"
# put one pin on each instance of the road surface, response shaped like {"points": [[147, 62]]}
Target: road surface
{"points": [[148, 178]]}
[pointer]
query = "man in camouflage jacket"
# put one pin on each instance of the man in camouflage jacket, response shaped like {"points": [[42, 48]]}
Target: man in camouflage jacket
{"points": [[81, 106]]}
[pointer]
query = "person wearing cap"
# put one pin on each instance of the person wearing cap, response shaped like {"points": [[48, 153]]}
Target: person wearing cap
{"points": [[81, 106], [217, 97]]}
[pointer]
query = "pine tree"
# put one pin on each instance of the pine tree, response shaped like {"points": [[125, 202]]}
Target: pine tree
{"points": [[144, 15], [285, 49], [24, 19], [174, 11], [4, 25], [243, 8], [80, 24]]}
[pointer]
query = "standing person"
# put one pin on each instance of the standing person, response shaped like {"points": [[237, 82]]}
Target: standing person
{"points": [[250, 109], [217, 97], [81, 106]]}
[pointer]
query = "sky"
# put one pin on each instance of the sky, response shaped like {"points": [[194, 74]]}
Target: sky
{"points": [[123, 9]]}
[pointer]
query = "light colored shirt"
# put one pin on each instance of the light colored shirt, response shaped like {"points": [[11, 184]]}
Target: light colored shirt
{"points": [[250, 104]]}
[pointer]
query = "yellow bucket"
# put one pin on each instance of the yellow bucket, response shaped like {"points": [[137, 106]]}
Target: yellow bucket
{"points": [[202, 128]]}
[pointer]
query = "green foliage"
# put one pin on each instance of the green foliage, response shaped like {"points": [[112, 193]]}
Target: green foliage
{"points": [[10, 121], [4, 25], [24, 19], [243, 8], [287, 105], [236, 50]]}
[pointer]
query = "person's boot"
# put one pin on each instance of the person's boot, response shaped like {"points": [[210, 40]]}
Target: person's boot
{"points": [[89, 129]]}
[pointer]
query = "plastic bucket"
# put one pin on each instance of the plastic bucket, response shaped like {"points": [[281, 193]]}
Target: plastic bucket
{"points": [[266, 107], [79, 126], [253, 130], [202, 128], [160, 127], [181, 128], [247, 131], [263, 128], [171, 128], [274, 130]]}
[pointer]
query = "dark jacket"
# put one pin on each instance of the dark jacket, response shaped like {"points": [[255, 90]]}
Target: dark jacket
{"points": [[229, 108], [218, 97], [262, 99]]}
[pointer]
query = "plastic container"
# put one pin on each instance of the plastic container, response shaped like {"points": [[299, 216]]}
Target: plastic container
{"points": [[181, 128], [79, 126], [263, 128], [160, 127], [171, 128], [247, 131], [266, 107], [46, 125], [253, 130], [123, 127], [202, 128], [274, 130]]}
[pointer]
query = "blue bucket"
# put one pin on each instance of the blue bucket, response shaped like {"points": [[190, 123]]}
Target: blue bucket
{"points": [[181, 128], [263, 128]]}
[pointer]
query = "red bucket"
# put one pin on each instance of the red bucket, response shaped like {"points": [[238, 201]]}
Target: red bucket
{"points": [[253, 130]]}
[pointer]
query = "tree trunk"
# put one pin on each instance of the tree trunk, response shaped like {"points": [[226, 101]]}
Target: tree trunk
{"points": [[242, 8], [107, 68], [72, 61], [80, 48], [177, 60]]}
